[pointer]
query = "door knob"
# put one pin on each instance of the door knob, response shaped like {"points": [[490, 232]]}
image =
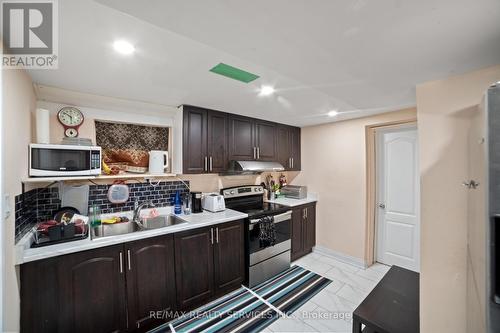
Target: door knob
{"points": [[381, 205], [471, 184]]}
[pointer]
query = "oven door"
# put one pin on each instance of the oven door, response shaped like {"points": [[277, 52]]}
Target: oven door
{"points": [[282, 224], [63, 161]]}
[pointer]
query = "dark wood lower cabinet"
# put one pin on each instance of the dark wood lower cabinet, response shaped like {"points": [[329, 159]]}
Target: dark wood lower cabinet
{"points": [[150, 281], [303, 230], [118, 288], [229, 257], [194, 267], [208, 263]]}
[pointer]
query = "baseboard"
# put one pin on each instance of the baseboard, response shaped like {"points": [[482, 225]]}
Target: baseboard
{"points": [[357, 262]]}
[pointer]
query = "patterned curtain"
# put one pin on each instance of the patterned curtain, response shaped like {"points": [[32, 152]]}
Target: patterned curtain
{"points": [[129, 144]]}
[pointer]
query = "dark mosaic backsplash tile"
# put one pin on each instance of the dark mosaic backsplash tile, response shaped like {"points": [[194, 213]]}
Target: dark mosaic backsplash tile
{"points": [[33, 206], [161, 195], [42, 203]]}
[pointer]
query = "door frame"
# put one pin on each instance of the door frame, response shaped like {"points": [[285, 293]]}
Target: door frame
{"points": [[371, 182]]}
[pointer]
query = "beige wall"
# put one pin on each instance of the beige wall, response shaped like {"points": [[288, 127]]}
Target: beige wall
{"points": [[334, 166], [443, 124], [18, 103]]}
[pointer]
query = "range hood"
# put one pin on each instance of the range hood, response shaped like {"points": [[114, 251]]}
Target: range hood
{"points": [[253, 167]]}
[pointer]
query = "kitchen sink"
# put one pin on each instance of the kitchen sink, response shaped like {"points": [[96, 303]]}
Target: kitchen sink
{"points": [[160, 221], [105, 230]]}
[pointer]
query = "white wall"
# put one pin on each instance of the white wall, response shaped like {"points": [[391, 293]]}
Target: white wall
{"points": [[443, 124], [18, 102]]}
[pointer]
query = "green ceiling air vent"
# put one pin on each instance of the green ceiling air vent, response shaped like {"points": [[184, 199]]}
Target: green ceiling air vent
{"points": [[234, 73]]}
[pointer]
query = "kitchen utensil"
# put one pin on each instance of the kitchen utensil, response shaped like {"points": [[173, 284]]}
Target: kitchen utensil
{"points": [[64, 214], [158, 161], [75, 196]]}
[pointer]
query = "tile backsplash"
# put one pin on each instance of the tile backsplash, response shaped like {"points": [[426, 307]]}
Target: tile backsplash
{"points": [[41, 204], [161, 194], [33, 206]]}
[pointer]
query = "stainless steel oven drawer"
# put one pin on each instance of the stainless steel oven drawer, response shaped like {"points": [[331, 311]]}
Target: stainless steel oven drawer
{"points": [[268, 268], [270, 251]]}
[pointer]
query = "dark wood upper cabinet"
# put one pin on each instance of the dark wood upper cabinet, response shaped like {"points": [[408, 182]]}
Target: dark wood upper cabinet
{"points": [[217, 140], [92, 291], [229, 257], [194, 148], [288, 147], [265, 140], [241, 138], [295, 152], [205, 140], [150, 280], [194, 267], [303, 230]]}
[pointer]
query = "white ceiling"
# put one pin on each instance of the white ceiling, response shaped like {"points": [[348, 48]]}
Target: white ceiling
{"points": [[358, 56]]}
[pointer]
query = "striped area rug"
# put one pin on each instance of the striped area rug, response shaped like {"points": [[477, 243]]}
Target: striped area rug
{"points": [[251, 310]]}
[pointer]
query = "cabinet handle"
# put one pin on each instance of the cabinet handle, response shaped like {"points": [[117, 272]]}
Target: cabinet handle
{"points": [[212, 235], [254, 153], [129, 262], [206, 163], [217, 235], [211, 163], [121, 262], [292, 162], [258, 153]]}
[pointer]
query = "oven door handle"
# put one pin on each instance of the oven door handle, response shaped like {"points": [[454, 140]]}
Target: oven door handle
{"points": [[277, 218]]}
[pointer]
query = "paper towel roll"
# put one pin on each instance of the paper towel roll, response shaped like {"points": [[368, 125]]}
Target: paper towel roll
{"points": [[42, 126]]}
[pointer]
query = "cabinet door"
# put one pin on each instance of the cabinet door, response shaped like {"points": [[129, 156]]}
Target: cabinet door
{"points": [[92, 291], [217, 141], [39, 296], [294, 135], [265, 140], [150, 280], [283, 147], [194, 267], [229, 257], [194, 142], [241, 138], [297, 233], [310, 228]]}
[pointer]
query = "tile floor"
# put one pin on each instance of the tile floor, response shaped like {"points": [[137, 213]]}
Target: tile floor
{"points": [[331, 309]]}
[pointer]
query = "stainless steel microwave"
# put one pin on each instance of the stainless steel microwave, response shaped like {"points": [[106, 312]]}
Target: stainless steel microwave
{"points": [[49, 160]]}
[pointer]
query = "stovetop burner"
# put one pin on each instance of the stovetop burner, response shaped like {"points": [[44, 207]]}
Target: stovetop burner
{"points": [[249, 199]]}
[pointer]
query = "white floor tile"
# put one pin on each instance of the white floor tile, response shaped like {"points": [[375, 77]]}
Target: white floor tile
{"points": [[373, 274], [351, 279], [313, 265], [325, 321], [290, 325], [335, 286], [380, 267], [332, 302], [352, 294]]}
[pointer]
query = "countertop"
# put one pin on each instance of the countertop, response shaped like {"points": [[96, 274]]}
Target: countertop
{"points": [[26, 254], [311, 197]]}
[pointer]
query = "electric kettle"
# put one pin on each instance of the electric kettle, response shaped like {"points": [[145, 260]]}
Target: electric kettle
{"points": [[158, 162]]}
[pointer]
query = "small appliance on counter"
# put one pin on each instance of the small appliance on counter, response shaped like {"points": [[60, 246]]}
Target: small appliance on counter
{"points": [[196, 206], [213, 202], [294, 191]]}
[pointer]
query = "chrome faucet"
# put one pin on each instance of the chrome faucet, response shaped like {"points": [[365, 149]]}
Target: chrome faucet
{"points": [[137, 210]]}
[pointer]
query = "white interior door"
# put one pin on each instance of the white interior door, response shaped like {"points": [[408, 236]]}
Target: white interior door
{"points": [[398, 198]]}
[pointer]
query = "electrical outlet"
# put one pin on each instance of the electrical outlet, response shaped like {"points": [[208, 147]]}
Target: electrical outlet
{"points": [[6, 206]]}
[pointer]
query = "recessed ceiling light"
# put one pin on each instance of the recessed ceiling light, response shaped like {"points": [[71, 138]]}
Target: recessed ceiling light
{"points": [[333, 113], [123, 47], [266, 90]]}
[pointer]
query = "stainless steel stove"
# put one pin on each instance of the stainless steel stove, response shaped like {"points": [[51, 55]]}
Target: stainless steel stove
{"points": [[263, 260]]}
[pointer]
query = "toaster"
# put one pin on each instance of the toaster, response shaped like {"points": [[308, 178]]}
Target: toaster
{"points": [[213, 202]]}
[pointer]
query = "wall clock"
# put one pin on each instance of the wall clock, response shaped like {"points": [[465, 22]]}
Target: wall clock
{"points": [[71, 118]]}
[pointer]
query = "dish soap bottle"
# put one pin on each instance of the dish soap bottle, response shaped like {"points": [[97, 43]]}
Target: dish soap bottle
{"points": [[177, 203]]}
